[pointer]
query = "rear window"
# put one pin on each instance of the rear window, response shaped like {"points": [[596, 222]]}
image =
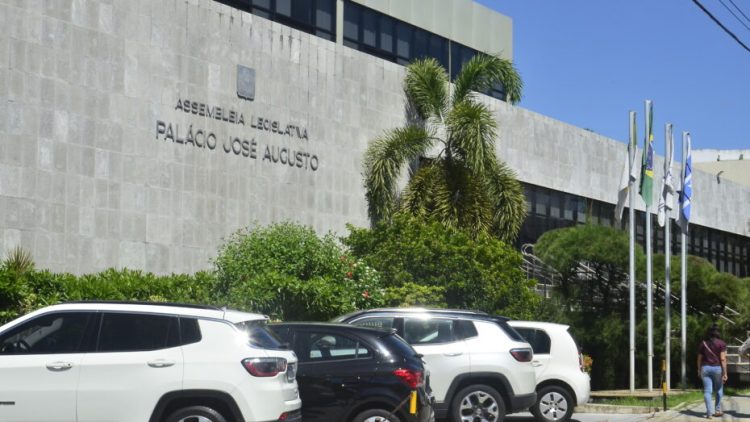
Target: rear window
{"points": [[509, 330], [398, 346], [259, 335], [538, 339]]}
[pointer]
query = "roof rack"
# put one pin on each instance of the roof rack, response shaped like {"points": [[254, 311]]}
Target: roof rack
{"points": [[137, 302]]}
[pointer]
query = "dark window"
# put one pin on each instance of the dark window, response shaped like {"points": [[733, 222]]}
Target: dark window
{"points": [[61, 332], [312, 16], [404, 34], [324, 14], [190, 332], [259, 335], [383, 323], [428, 331], [421, 44], [126, 332], [538, 339], [369, 28], [352, 15], [465, 329], [399, 344], [323, 346], [386, 34]]}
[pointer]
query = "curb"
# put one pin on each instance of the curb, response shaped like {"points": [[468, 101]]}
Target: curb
{"points": [[611, 408]]}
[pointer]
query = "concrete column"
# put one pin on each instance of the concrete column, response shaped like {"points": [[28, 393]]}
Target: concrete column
{"points": [[340, 22]]}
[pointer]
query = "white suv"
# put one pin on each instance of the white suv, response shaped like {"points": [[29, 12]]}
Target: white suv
{"points": [[480, 368], [128, 362], [561, 382]]}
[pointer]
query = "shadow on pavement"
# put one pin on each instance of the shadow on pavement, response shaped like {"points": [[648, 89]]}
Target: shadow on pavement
{"points": [[736, 414]]}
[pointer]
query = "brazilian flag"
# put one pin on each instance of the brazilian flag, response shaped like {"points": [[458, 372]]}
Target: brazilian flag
{"points": [[647, 167]]}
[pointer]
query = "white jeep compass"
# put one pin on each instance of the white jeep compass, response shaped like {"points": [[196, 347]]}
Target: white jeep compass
{"points": [[156, 362]]}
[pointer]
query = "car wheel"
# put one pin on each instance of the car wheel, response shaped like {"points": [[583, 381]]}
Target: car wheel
{"points": [[376, 415], [478, 403], [196, 414], [553, 403]]}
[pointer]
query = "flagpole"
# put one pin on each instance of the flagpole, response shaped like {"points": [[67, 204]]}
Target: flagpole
{"points": [[631, 223], [667, 261], [683, 266], [649, 292]]}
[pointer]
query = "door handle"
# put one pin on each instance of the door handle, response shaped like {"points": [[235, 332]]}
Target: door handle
{"points": [[536, 363], [452, 354], [59, 366], [161, 363]]}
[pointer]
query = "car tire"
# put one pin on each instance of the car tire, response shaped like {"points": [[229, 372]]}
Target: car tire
{"points": [[477, 403], [376, 415], [196, 414], [553, 404]]}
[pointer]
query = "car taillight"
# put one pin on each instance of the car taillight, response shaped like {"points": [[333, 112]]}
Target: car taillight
{"points": [[522, 355], [264, 367], [410, 377], [580, 362]]}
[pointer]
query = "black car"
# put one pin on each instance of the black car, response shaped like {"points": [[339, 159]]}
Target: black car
{"points": [[357, 374]]}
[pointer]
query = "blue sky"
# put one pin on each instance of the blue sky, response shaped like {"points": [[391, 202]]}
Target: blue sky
{"points": [[589, 62]]}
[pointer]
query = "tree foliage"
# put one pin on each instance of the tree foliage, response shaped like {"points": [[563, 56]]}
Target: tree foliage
{"points": [[474, 273], [464, 185], [593, 299], [287, 271]]}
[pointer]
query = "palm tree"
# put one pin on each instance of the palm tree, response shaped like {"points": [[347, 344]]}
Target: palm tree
{"points": [[455, 175]]}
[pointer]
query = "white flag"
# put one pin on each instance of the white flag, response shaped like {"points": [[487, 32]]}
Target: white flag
{"points": [[628, 175], [666, 199]]}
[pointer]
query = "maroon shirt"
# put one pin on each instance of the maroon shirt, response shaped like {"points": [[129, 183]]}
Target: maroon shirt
{"points": [[711, 351]]}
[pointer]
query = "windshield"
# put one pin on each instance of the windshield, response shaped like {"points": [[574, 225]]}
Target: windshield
{"points": [[259, 335]]}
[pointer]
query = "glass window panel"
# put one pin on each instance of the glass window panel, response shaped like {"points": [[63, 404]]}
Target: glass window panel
{"points": [[605, 214], [428, 331], [438, 49], [386, 34], [554, 205], [403, 40], [383, 323], [321, 346], [51, 333], [351, 44], [420, 44], [581, 212], [266, 4], [302, 12], [542, 202], [369, 28], [538, 339], [284, 7], [145, 332], [324, 34], [569, 207], [324, 15], [352, 14], [261, 13]]}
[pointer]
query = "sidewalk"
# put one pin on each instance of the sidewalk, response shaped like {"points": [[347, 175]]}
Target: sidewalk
{"points": [[736, 408]]}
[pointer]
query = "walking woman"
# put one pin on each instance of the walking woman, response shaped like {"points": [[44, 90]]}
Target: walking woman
{"points": [[712, 368]]}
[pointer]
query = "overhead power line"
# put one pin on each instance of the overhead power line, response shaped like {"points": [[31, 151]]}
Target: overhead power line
{"points": [[734, 14], [731, 34], [740, 10]]}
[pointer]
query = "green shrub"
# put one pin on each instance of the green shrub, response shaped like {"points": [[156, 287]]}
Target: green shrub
{"points": [[286, 271], [482, 273]]}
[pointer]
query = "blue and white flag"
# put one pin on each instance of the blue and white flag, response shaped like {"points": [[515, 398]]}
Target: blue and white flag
{"points": [[686, 194]]}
